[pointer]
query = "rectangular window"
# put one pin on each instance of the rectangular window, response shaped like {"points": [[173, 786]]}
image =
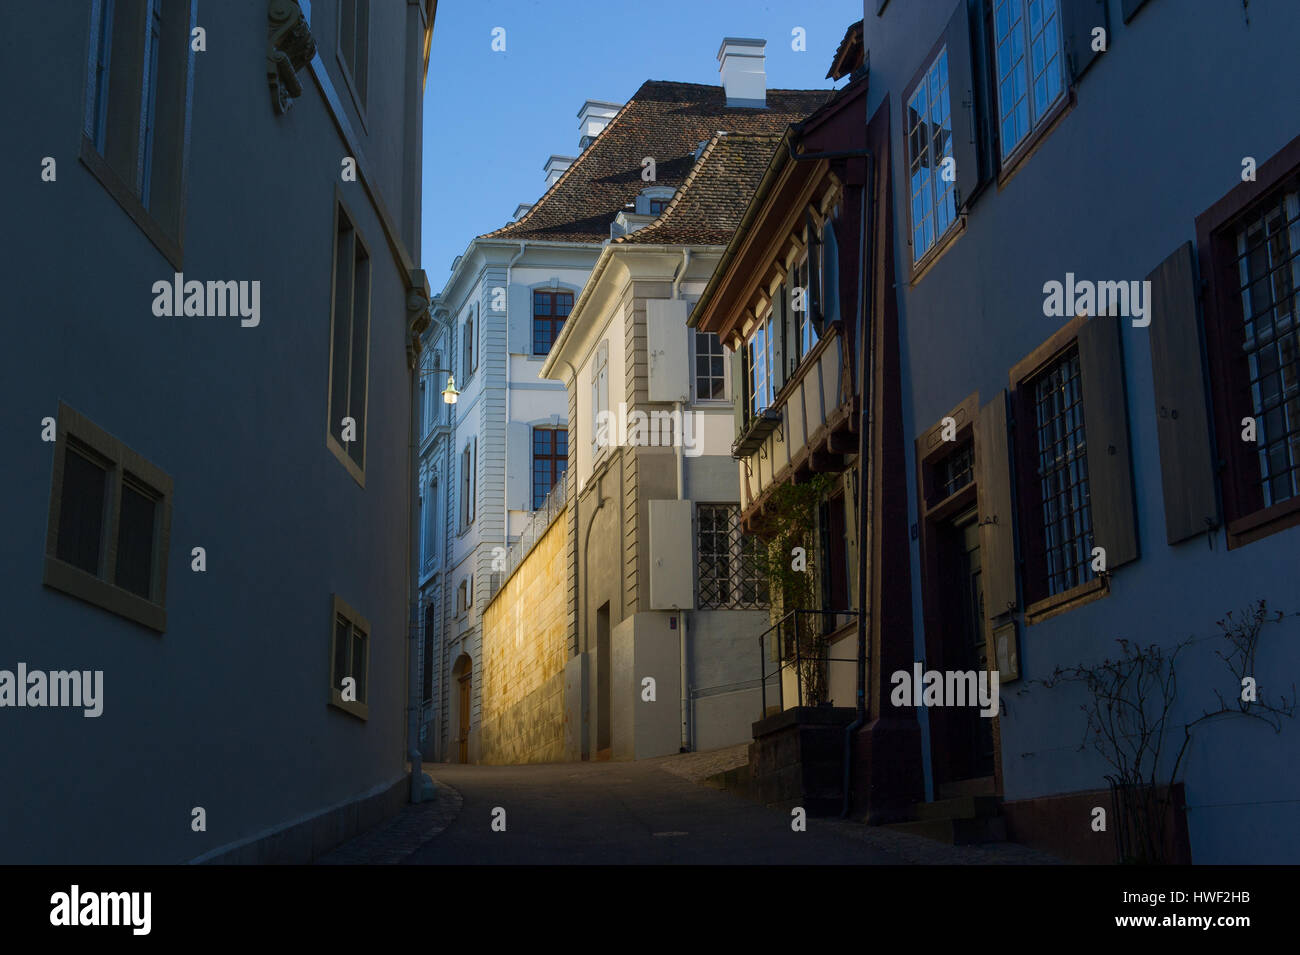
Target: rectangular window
{"points": [[1268, 274], [429, 512], [550, 308], [137, 111], [354, 45], [468, 349], [468, 484], [1030, 70], [430, 651], [929, 145], [710, 365], [349, 660], [109, 524], [758, 361], [550, 461], [599, 395], [801, 296], [730, 572], [349, 347], [657, 206], [1061, 470]]}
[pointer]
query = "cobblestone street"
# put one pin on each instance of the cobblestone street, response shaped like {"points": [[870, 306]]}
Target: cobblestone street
{"points": [[649, 812]]}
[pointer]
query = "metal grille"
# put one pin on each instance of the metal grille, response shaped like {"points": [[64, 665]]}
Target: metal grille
{"points": [[1063, 474], [731, 574], [1268, 263], [956, 470]]}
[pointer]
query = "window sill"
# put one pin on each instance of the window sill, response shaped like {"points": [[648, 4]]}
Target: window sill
{"points": [[131, 204], [1066, 600], [94, 590], [756, 432], [360, 710], [358, 474], [1013, 163], [1263, 523], [940, 248]]}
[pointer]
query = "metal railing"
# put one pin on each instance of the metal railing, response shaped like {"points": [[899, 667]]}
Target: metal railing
{"points": [[783, 645], [539, 522]]}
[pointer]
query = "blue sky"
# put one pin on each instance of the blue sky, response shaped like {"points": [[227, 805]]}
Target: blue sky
{"points": [[492, 118]]}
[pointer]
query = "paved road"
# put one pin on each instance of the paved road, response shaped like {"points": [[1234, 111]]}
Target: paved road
{"points": [[621, 813]]}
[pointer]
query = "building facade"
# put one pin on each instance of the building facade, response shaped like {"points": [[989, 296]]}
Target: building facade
{"points": [[1099, 373], [248, 224], [508, 439]]}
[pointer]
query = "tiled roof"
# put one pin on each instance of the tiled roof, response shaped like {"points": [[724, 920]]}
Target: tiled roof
{"points": [[663, 120], [709, 204], [849, 55]]}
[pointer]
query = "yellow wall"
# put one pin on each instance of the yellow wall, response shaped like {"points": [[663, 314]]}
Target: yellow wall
{"points": [[525, 644]]}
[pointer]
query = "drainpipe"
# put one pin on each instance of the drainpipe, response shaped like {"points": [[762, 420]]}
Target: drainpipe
{"points": [[681, 496], [413, 591], [865, 424], [505, 457]]}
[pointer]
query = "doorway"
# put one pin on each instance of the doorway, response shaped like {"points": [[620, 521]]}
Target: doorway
{"points": [[967, 736], [604, 664], [463, 671]]}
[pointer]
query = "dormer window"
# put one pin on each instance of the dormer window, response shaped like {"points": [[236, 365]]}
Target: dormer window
{"points": [[653, 200], [657, 206]]}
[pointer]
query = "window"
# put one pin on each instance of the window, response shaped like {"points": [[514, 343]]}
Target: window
{"points": [[806, 333], [550, 461], [549, 311], [465, 595], [109, 524], [349, 660], [955, 471], [429, 513], [759, 370], [1061, 472], [430, 651], [600, 397], [1268, 271], [468, 353], [710, 375], [468, 484], [137, 112], [349, 347], [657, 206], [354, 46], [1250, 255], [929, 144], [1030, 74], [730, 573]]}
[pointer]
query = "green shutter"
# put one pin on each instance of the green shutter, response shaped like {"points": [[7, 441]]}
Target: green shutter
{"points": [[996, 511], [1079, 19], [739, 389]]}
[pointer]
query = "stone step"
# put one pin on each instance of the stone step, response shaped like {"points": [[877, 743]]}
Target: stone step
{"points": [[958, 807], [957, 831]]}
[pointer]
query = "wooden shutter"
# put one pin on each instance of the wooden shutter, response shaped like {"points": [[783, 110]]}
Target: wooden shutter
{"points": [[739, 389], [996, 511], [519, 320], [830, 272], [813, 294], [962, 105], [1131, 7], [776, 332], [1078, 19], [1187, 465], [1105, 429]]}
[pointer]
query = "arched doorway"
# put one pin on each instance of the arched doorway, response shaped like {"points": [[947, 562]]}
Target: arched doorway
{"points": [[463, 672]]}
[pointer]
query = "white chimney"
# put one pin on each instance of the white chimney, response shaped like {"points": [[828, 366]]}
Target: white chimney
{"points": [[743, 65], [592, 118], [555, 167]]}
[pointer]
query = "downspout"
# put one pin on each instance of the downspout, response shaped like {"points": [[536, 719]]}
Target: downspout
{"points": [[413, 590], [505, 456], [681, 496], [865, 424]]}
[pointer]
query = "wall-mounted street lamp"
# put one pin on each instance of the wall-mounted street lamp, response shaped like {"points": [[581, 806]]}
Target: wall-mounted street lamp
{"points": [[449, 394]]}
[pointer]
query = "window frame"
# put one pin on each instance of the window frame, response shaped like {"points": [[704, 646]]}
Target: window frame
{"points": [[358, 86], [1030, 534], [735, 576], [468, 484], [942, 239], [559, 460], [752, 392], [600, 400], [1006, 166], [342, 610], [555, 327], [134, 197], [1245, 521], [335, 445], [695, 376], [121, 465]]}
